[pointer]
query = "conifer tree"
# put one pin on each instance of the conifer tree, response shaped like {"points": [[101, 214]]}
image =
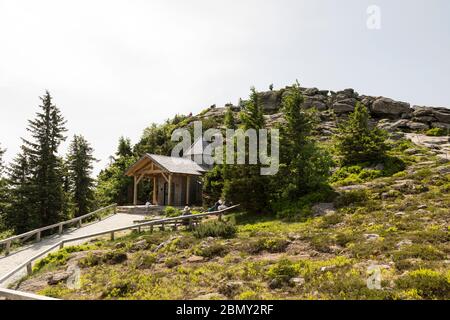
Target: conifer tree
{"points": [[47, 133], [112, 184], [21, 214], [3, 192], [356, 142], [80, 164], [243, 182], [304, 167]]}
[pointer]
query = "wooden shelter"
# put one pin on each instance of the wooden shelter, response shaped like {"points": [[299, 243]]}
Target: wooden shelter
{"points": [[176, 181]]}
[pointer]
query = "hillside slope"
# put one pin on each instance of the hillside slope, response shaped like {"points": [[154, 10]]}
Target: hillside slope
{"points": [[396, 225]]}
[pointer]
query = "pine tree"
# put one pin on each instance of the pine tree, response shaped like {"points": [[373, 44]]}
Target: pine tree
{"points": [[213, 181], [112, 184], [244, 183], [356, 142], [304, 167], [124, 147], [21, 214], [80, 164], [3, 193], [47, 132]]}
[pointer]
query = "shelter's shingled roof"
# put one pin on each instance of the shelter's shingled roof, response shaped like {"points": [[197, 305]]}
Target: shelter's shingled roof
{"points": [[177, 164], [169, 164]]}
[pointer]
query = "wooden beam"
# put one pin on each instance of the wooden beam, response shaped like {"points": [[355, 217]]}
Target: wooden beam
{"points": [[165, 177], [135, 191], [169, 201], [188, 182], [155, 190]]}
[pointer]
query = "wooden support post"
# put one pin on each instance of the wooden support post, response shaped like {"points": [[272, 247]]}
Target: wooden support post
{"points": [[60, 229], [188, 185], [8, 248], [38, 236], [220, 217], [151, 229], [135, 191], [112, 236], [169, 202], [29, 269], [139, 229], [162, 226], [61, 245], [79, 223], [155, 190]]}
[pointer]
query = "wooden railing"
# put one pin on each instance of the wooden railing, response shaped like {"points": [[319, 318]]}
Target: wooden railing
{"points": [[19, 295], [190, 219], [60, 225]]}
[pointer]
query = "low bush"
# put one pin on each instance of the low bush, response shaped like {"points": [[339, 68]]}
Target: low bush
{"points": [[145, 261], [58, 258], [110, 257], [283, 271], [429, 284], [437, 132], [211, 250], [215, 228], [351, 197], [424, 252], [272, 245], [172, 212], [172, 262]]}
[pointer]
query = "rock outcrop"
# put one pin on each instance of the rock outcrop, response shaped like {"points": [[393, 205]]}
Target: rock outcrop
{"points": [[388, 114]]}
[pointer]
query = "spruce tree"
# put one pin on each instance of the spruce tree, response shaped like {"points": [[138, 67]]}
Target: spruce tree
{"points": [[304, 166], [80, 164], [244, 183], [3, 193], [47, 133], [112, 184], [22, 192], [356, 142]]}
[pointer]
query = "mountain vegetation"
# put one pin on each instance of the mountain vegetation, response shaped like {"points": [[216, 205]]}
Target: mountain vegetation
{"points": [[354, 199]]}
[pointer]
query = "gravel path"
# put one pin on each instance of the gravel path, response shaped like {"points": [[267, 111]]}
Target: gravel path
{"points": [[19, 256]]}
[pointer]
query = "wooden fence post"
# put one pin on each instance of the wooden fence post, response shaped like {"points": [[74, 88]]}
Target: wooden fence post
{"points": [[38, 236], [60, 229], [8, 247], [112, 236], [29, 269]]}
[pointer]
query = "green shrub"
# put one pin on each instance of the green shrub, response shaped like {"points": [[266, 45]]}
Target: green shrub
{"points": [[392, 165], [172, 262], [215, 228], [437, 132], [272, 245], [351, 197], [211, 250], [283, 270], [58, 258], [119, 288], [301, 209], [424, 252], [145, 261], [429, 284], [110, 257], [356, 141], [172, 212]]}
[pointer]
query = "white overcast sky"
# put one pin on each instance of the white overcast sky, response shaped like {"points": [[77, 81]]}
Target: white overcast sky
{"points": [[113, 67]]}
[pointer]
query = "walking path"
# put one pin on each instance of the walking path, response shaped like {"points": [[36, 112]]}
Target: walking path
{"points": [[15, 258]]}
